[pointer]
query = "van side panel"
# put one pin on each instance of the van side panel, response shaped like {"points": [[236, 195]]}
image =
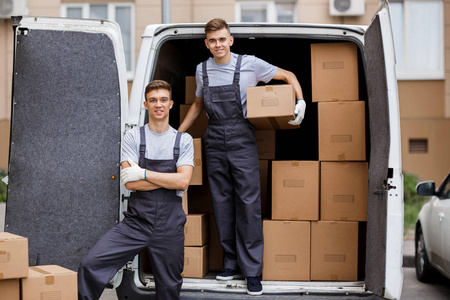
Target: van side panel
{"points": [[379, 154], [65, 143]]}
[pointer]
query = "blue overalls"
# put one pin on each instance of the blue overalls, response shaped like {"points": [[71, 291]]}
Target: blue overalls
{"points": [[154, 220], [233, 174]]}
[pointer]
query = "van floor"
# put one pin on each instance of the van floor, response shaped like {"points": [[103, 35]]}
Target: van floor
{"points": [[210, 288]]}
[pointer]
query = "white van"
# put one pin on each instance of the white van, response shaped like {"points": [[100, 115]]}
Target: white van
{"points": [[71, 108]]}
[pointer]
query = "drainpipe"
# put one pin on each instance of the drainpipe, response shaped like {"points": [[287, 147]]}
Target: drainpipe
{"points": [[165, 11]]}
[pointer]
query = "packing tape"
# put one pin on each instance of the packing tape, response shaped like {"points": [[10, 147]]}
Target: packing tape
{"points": [[327, 65], [53, 295], [293, 183], [344, 138], [343, 198], [334, 258], [285, 258], [49, 277], [4, 257], [270, 102]]}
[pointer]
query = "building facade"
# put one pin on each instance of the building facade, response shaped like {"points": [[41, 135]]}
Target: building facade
{"points": [[420, 27]]}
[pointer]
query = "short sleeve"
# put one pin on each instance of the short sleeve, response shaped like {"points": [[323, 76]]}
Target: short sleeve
{"points": [[186, 157], [130, 145], [199, 81], [263, 70]]}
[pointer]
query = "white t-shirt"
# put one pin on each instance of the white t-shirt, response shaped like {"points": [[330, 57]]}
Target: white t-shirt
{"points": [[159, 146]]}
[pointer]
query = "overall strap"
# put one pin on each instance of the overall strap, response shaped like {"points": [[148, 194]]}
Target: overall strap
{"points": [[176, 147], [205, 74], [237, 72], [142, 147]]}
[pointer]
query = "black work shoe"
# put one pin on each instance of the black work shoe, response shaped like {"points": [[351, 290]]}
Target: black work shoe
{"points": [[227, 274], [254, 286]]}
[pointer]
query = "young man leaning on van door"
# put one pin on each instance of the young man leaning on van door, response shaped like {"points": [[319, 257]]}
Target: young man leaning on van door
{"points": [[157, 164]]}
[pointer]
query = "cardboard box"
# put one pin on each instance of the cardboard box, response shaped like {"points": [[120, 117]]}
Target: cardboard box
{"points": [[196, 230], [271, 106], [342, 132], [286, 250], [343, 191], [334, 251], [265, 141], [198, 128], [295, 190], [195, 262], [215, 249], [264, 184], [13, 256], [334, 71], [10, 289], [184, 202], [190, 88], [50, 282], [197, 176]]}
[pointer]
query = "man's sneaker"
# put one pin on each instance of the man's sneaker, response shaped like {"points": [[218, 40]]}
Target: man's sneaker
{"points": [[254, 286], [227, 274]]}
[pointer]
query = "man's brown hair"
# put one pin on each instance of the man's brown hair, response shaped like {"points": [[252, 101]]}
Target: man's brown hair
{"points": [[216, 24], [157, 85]]}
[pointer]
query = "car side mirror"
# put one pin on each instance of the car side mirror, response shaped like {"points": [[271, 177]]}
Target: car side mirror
{"points": [[426, 188]]}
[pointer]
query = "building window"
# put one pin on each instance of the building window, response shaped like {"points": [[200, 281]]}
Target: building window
{"points": [[418, 145], [266, 11], [418, 28], [122, 13]]}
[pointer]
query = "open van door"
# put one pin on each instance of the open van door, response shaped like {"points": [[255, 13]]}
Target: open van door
{"points": [[69, 96], [384, 275]]}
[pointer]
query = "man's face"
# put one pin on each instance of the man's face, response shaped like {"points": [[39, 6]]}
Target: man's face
{"points": [[158, 104], [219, 43]]}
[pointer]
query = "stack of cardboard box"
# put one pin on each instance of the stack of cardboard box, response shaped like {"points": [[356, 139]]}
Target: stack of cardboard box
{"points": [[18, 281], [201, 242], [342, 156], [316, 205]]}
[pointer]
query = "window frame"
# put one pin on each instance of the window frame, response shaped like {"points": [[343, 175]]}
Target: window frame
{"points": [[407, 33], [111, 13], [271, 9]]}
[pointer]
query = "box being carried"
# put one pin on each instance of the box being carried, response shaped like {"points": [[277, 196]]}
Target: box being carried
{"points": [[271, 106]]}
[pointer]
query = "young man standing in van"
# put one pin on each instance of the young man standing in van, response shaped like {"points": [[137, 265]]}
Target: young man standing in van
{"points": [[157, 165], [230, 144]]}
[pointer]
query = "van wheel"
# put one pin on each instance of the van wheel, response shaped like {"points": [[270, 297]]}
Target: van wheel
{"points": [[424, 271]]}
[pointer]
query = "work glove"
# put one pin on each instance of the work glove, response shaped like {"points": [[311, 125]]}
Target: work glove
{"points": [[133, 173], [299, 111]]}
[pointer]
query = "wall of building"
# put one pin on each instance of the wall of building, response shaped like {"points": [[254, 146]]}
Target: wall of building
{"points": [[422, 111]]}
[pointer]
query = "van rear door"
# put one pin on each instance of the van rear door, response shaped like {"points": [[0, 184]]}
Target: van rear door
{"points": [[69, 96], [384, 274]]}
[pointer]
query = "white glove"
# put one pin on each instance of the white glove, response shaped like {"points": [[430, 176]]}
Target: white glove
{"points": [[299, 110], [133, 173]]}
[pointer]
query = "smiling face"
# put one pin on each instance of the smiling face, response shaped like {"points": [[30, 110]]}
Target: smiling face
{"points": [[158, 104], [219, 43]]}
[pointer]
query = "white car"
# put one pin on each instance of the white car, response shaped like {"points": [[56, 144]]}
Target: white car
{"points": [[433, 231]]}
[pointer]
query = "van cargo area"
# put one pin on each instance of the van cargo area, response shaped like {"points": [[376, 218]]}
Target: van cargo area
{"points": [[175, 62]]}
